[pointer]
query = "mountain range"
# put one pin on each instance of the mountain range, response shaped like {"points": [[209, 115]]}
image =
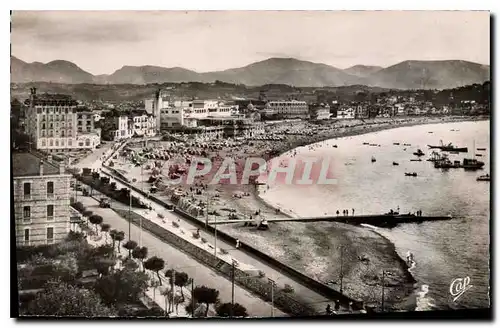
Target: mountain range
{"points": [[410, 74]]}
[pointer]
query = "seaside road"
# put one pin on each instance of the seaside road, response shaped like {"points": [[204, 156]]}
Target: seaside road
{"points": [[175, 258], [93, 159], [312, 298]]}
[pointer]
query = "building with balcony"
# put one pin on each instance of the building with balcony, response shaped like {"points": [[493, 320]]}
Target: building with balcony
{"points": [[55, 124], [41, 190]]}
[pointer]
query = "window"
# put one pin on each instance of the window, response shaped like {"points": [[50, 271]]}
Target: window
{"points": [[50, 235], [50, 212], [27, 190], [26, 213], [44, 143], [50, 188], [27, 236]]}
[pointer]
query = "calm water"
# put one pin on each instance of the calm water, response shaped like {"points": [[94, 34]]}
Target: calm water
{"points": [[444, 250]]}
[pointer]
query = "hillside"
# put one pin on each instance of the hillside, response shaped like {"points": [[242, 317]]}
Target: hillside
{"points": [[57, 71], [445, 74], [405, 75], [362, 70]]}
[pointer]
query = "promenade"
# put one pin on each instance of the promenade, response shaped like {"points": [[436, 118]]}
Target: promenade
{"points": [[178, 260]]}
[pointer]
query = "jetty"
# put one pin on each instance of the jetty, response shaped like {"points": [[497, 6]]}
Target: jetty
{"points": [[379, 220]]}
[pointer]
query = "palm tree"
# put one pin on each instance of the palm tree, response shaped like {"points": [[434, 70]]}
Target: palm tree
{"points": [[140, 253], [206, 295], [130, 245], [105, 228], [96, 220], [155, 264], [113, 234], [120, 235]]}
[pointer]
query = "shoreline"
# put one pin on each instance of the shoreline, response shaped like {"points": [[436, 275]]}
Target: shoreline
{"points": [[321, 252]]}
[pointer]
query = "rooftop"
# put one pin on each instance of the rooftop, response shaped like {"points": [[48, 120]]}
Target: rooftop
{"points": [[28, 164]]}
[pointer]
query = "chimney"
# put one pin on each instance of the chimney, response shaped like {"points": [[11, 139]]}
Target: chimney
{"points": [[41, 167], [62, 168]]}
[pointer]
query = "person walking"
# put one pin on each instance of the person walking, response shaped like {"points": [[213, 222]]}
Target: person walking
{"points": [[353, 212], [329, 310], [338, 212]]}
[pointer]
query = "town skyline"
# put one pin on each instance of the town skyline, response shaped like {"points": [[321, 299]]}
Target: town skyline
{"points": [[47, 36]]}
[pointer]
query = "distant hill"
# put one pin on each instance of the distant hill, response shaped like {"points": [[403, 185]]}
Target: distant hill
{"points": [[444, 74], [57, 71], [405, 75], [362, 70]]}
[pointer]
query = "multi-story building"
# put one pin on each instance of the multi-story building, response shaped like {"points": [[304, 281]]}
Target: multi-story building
{"points": [[137, 125], [289, 109], [54, 123], [41, 192], [319, 111]]}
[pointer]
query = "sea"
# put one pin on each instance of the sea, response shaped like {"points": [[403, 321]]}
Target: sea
{"points": [[444, 250]]}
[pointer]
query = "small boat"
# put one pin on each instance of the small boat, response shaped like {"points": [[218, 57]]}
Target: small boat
{"points": [[408, 145], [479, 155], [481, 149], [396, 143], [334, 146], [452, 130], [366, 143], [373, 145], [485, 177], [395, 163], [415, 160], [472, 164], [419, 152], [449, 147], [373, 159], [413, 174], [430, 132]]}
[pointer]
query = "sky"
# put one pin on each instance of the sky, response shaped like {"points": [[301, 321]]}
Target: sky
{"points": [[101, 42]]}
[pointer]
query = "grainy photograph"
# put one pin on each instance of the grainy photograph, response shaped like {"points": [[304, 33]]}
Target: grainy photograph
{"points": [[250, 164]]}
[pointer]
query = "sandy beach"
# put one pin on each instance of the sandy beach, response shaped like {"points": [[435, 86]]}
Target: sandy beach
{"points": [[314, 249]]}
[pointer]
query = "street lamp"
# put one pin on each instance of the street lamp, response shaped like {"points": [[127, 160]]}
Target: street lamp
{"points": [[273, 284]]}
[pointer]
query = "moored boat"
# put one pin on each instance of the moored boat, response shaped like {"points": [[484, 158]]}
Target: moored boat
{"points": [[481, 149], [415, 160], [411, 174], [449, 147], [472, 164], [395, 163], [373, 159], [485, 177], [419, 152]]}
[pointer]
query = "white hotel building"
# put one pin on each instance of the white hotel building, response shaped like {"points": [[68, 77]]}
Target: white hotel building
{"points": [[55, 124], [287, 109]]}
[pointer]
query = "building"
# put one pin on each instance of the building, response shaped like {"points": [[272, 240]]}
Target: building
{"points": [[41, 192], [319, 111], [346, 113], [173, 116], [288, 109], [55, 124], [134, 125]]}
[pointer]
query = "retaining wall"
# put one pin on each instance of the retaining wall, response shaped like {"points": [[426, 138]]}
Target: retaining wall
{"points": [[291, 272]]}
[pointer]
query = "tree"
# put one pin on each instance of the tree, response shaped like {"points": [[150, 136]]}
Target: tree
{"points": [[224, 310], [105, 228], [130, 245], [140, 253], [181, 279], [87, 214], [79, 207], [95, 220], [121, 287], [103, 264], [206, 295], [113, 234], [155, 264], [120, 235], [61, 299]]}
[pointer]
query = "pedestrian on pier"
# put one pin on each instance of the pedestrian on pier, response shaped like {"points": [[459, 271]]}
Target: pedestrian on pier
{"points": [[353, 211], [346, 212], [337, 305], [338, 212]]}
